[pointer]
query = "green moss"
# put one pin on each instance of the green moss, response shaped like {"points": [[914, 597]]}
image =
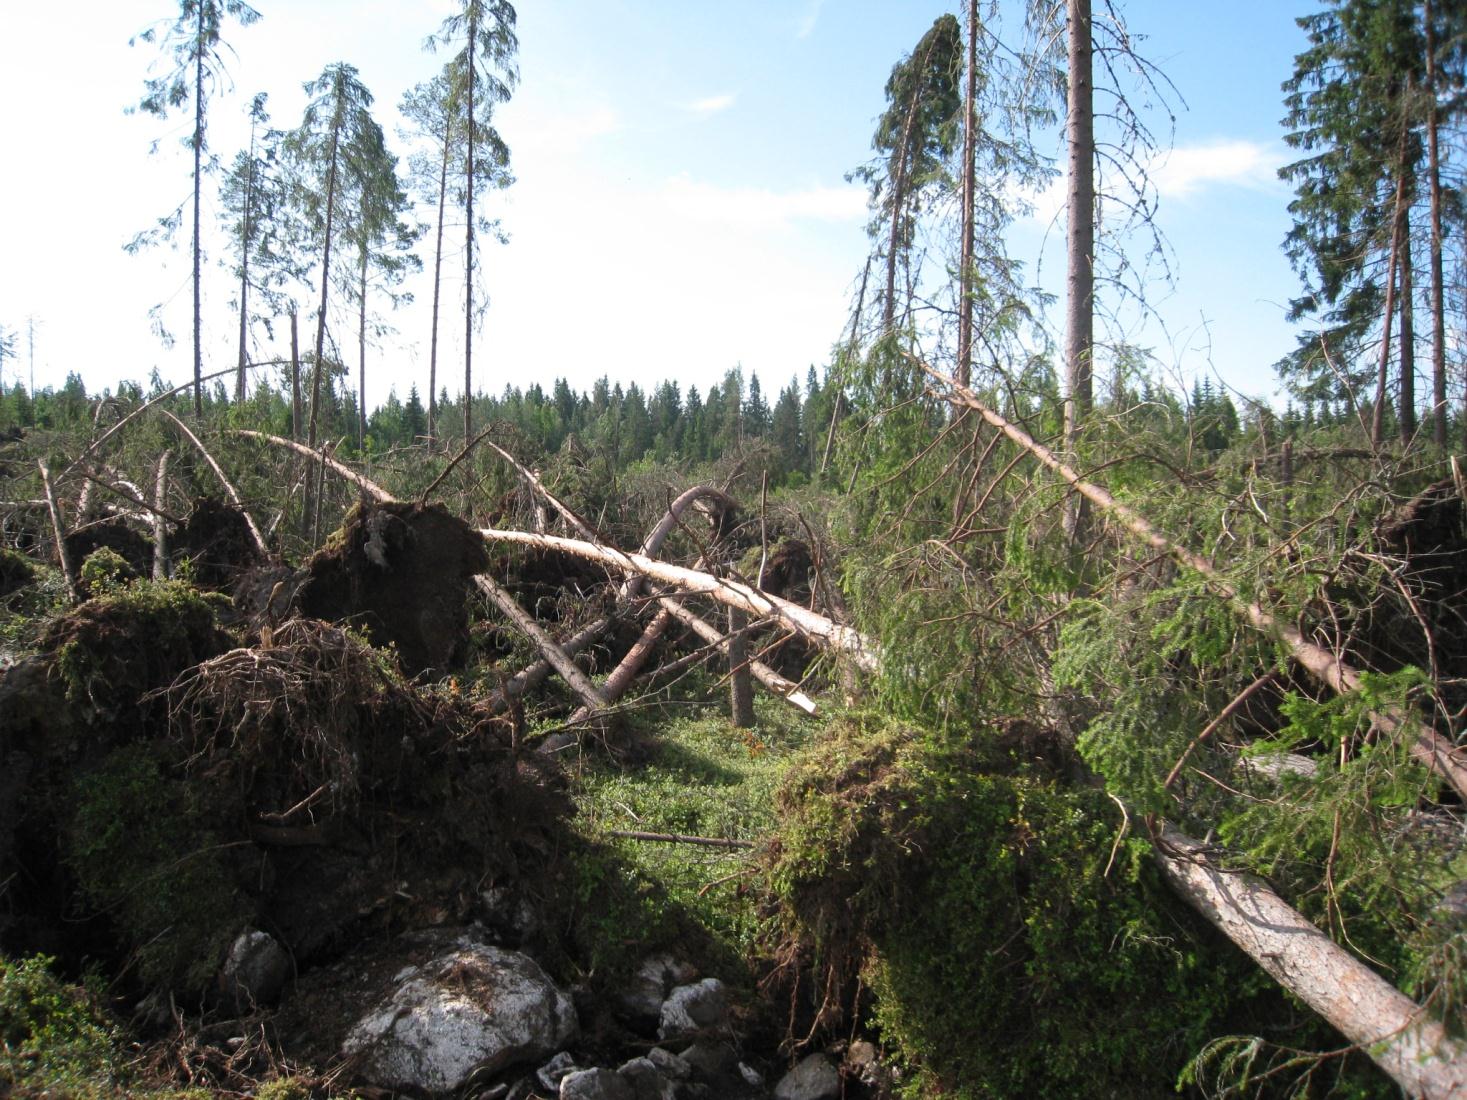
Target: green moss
{"points": [[105, 573], [138, 638], [284, 1088], [53, 1036], [1010, 955], [140, 853]]}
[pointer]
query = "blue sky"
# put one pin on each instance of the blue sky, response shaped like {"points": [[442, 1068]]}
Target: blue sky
{"points": [[680, 207]]}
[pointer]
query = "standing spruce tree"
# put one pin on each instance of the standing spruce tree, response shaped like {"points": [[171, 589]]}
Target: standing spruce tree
{"points": [[326, 159], [383, 241], [914, 137], [253, 197], [433, 110], [192, 42], [1354, 107], [484, 31]]}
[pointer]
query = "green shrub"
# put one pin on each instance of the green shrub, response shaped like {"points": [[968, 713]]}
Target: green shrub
{"points": [[53, 1036]]}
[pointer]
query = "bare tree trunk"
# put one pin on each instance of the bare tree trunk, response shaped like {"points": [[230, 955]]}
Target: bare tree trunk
{"points": [[437, 285], [244, 274], [295, 378], [160, 524], [362, 352], [325, 279], [1382, 371], [862, 651], [740, 689], [970, 156], [786, 689], [198, 188], [469, 238], [1434, 184], [59, 534], [1398, 1034], [1408, 331], [1080, 231]]}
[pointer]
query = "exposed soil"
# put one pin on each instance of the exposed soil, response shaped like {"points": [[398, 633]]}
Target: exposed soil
{"points": [[217, 542]]}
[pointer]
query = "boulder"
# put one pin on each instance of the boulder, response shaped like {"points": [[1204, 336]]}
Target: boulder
{"points": [[595, 1084], [471, 1009], [813, 1078], [694, 1009], [254, 972], [640, 1003], [647, 1081]]}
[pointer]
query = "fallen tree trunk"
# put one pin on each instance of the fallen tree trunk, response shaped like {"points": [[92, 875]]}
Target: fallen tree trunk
{"points": [[561, 661], [862, 651], [787, 690], [229, 488], [1400, 1036], [1427, 746]]}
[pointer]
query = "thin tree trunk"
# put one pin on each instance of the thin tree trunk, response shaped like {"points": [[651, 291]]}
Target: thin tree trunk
{"points": [[198, 188], [1377, 420], [1080, 231], [325, 274], [1400, 1036], [58, 532], [362, 352], [437, 284], [740, 689], [970, 156], [295, 378], [244, 273], [160, 523], [469, 238], [1438, 299], [1408, 331]]}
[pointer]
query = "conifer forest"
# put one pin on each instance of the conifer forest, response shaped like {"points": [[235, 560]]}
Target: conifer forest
{"points": [[985, 711]]}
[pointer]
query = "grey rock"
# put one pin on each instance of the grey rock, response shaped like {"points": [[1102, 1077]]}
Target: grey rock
{"points": [[255, 970], [669, 1064], [641, 1001], [752, 1077], [863, 1061], [813, 1078], [595, 1084], [472, 1009], [694, 1009], [647, 1080], [711, 1060], [552, 1072]]}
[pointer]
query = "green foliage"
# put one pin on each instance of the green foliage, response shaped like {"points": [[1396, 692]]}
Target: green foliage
{"points": [[105, 573], [1015, 943], [52, 1035], [138, 846]]}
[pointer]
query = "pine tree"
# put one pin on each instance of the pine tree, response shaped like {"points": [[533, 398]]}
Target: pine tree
{"points": [[487, 67], [192, 43]]}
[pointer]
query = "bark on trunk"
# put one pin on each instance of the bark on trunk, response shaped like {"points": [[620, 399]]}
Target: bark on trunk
{"points": [[740, 689], [970, 157], [295, 378], [469, 238], [325, 276], [787, 690], [1408, 331], [198, 188], [1406, 1042], [1080, 230], [1434, 184], [160, 524], [437, 284], [362, 351]]}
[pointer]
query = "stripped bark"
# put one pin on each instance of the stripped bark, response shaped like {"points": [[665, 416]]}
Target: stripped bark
{"points": [[1427, 746], [1401, 1037], [862, 651]]}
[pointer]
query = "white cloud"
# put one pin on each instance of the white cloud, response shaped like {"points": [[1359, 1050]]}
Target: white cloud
{"points": [[758, 207], [1190, 168], [710, 105], [806, 25]]}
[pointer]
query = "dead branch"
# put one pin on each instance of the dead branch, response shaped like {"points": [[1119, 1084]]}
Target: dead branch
{"points": [[1428, 747], [56, 530], [224, 481], [1400, 1036], [129, 493], [681, 838], [863, 651], [371, 488], [577, 680], [787, 690]]}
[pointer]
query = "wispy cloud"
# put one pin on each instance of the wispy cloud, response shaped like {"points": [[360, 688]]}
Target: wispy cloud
{"points": [[1190, 168], [805, 26], [759, 207], [712, 104]]}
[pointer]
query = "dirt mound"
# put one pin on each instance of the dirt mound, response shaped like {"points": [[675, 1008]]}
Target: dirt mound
{"points": [[400, 572], [299, 786], [133, 546], [217, 542]]}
